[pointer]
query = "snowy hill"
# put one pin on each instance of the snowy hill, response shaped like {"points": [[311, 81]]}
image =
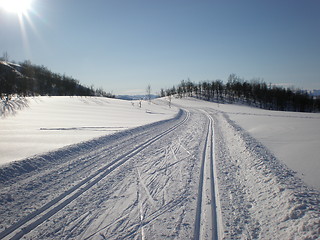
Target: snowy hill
{"points": [[48, 123]]}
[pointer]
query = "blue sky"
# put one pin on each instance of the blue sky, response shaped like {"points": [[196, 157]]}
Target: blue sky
{"points": [[124, 45]]}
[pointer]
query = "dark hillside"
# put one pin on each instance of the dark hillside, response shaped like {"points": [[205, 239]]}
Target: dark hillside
{"points": [[26, 79]]}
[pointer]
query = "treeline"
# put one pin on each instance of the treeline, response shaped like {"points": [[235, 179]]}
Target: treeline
{"points": [[27, 79], [254, 93]]}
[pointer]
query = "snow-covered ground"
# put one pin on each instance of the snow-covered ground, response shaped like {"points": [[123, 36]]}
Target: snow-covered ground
{"points": [[260, 196], [197, 170], [293, 137], [48, 123]]}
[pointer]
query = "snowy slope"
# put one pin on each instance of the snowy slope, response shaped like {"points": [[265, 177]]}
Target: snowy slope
{"points": [[294, 138], [195, 174], [48, 123]]}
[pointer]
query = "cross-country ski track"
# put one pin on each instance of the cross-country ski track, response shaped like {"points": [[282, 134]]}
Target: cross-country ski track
{"points": [[195, 176], [65, 198], [98, 165], [206, 216]]}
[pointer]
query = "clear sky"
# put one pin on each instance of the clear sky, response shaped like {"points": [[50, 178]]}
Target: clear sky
{"points": [[124, 45]]}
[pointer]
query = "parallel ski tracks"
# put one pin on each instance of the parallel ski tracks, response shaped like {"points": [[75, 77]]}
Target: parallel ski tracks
{"points": [[34, 219], [206, 226]]}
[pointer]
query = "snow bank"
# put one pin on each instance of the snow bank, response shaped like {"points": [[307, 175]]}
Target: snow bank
{"points": [[293, 137], [261, 198], [41, 124]]}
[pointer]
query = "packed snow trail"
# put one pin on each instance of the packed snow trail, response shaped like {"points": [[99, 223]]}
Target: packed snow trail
{"points": [[65, 198], [134, 184], [79, 189], [206, 217]]}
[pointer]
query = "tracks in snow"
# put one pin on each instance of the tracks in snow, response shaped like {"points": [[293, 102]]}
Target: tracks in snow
{"points": [[34, 219], [206, 226]]}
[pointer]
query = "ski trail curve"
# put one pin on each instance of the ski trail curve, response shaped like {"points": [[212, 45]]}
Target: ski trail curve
{"points": [[34, 219]]}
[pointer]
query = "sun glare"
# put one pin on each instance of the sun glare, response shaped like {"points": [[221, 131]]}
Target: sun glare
{"points": [[16, 6]]}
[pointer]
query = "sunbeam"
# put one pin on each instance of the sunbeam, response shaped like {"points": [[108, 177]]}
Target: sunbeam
{"points": [[22, 9]]}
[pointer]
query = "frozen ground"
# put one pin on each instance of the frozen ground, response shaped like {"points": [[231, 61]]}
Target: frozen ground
{"points": [[194, 173]]}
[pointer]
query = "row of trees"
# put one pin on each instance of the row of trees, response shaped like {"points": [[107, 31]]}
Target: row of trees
{"points": [[28, 79], [255, 93]]}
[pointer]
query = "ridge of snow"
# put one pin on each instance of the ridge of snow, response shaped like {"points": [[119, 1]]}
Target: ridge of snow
{"points": [[261, 197]]}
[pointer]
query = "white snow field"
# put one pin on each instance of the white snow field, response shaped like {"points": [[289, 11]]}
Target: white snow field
{"points": [[198, 170], [48, 123], [293, 137]]}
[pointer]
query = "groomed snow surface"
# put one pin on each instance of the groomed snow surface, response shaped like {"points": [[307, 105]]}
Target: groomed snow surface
{"points": [[98, 168]]}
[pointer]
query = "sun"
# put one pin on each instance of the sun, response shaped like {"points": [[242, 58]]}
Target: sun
{"points": [[19, 7]]}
